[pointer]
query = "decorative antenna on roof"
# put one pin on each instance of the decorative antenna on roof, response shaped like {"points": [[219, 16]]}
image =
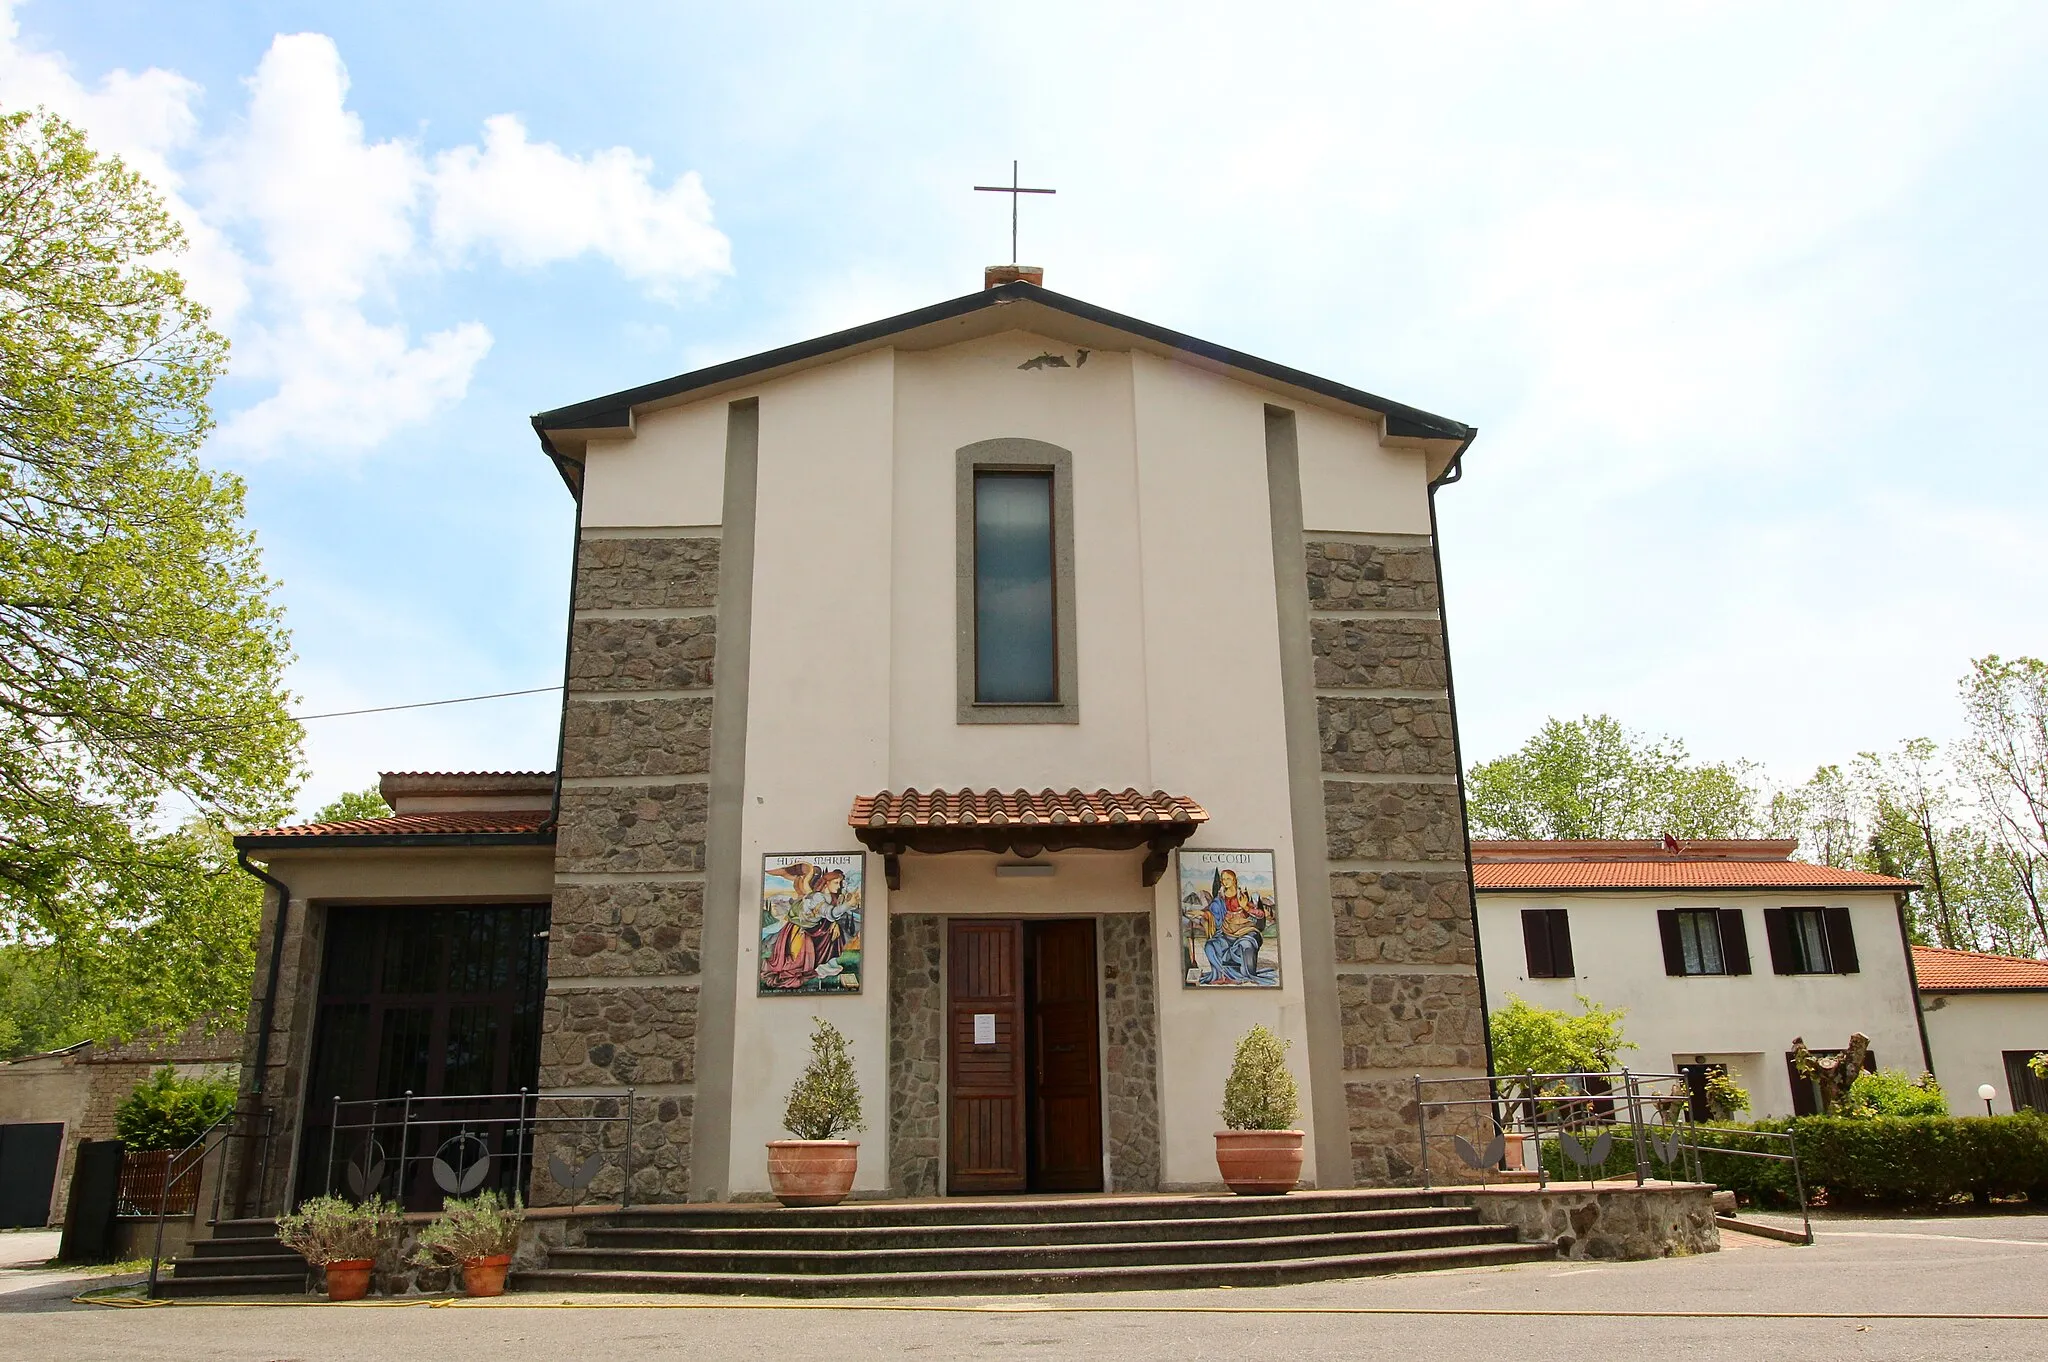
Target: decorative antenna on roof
{"points": [[1013, 189]]}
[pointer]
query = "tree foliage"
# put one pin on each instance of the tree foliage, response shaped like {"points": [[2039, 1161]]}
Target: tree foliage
{"points": [[1892, 1093], [1591, 777], [345, 808], [1528, 1039], [141, 656], [169, 1112], [824, 1104]]}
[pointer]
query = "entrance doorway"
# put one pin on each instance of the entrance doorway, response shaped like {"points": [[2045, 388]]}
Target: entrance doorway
{"points": [[1024, 1071]]}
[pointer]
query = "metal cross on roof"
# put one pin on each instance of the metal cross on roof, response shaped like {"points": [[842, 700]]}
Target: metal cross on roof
{"points": [[1013, 189]]}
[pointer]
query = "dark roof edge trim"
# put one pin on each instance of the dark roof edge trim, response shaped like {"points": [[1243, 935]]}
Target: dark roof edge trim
{"points": [[1926, 987], [614, 410], [367, 840]]}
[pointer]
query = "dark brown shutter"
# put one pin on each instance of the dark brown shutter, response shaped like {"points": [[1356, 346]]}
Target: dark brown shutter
{"points": [[1674, 952], [1536, 943], [1734, 941], [1778, 931], [1805, 1099], [1561, 943], [1841, 940]]}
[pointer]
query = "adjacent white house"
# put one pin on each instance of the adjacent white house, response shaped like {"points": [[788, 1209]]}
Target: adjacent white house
{"points": [[1986, 1016], [1723, 953]]}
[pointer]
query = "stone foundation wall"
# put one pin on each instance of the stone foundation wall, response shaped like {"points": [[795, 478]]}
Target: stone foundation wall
{"points": [[917, 1053], [1618, 1224], [1408, 993], [1130, 1013], [625, 947]]}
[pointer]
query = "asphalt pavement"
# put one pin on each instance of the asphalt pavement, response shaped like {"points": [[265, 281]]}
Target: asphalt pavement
{"points": [[1928, 1288]]}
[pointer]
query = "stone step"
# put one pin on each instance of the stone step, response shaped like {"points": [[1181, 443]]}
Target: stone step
{"points": [[273, 1284], [1015, 1281], [977, 1235], [239, 1248], [243, 1265], [924, 1262], [991, 1211], [245, 1229]]}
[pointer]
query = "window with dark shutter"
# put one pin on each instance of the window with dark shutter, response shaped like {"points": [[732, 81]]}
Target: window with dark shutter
{"points": [[1547, 943], [1780, 939], [1693, 941], [1841, 937], [1734, 941], [1674, 951], [2025, 1091]]}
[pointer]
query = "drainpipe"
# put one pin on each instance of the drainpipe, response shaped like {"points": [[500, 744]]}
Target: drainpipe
{"points": [[267, 1015], [1453, 471]]}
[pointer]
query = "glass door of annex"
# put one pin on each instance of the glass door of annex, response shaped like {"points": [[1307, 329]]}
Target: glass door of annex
{"points": [[428, 1027]]}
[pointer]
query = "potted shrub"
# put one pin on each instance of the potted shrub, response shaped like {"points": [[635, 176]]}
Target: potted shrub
{"points": [[816, 1168], [1260, 1153], [481, 1234], [341, 1236]]}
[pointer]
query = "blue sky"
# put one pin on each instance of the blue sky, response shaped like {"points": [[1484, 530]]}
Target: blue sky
{"points": [[1745, 300]]}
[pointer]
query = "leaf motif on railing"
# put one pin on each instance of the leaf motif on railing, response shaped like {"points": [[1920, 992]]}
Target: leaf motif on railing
{"points": [[1475, 1158], [1667, 1151], [464, 1182], [365, 1182], [1582, 1156], [578, 1178]]}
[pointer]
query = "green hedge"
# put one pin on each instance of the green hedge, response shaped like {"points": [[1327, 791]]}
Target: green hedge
{"points": [[1885, 1160]]}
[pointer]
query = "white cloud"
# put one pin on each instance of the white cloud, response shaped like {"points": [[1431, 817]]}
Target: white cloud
{"points": [[304, 230], [535, 204]]}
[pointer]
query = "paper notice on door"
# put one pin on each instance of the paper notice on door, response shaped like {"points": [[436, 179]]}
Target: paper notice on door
{"points": [[984, 1028]]}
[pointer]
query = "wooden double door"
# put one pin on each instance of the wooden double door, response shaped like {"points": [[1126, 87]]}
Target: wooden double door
{"points": [[1024, 1068]]}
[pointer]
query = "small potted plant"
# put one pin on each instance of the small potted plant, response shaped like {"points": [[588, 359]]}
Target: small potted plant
{"points": [[816, 1168], [481, 1234], [343, 1237], [1260, 1153]]}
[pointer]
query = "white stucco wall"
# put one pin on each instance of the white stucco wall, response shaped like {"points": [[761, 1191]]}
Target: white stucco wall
{"points": [[670, 474], [1970, 1033], [1745, 1021]]}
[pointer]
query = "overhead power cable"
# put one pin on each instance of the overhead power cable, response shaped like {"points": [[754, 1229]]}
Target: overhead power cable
{"points": [[423, 704]]}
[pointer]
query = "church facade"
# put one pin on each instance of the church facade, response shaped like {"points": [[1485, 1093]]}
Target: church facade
{"points": [[1039, 696]]}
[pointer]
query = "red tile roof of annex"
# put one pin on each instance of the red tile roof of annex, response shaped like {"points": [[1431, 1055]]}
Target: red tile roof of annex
{"points": [[1671, 872], [449, 823], [1941, 970]]}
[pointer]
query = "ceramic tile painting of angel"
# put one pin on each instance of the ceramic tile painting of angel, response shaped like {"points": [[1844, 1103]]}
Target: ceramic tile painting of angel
{"points": [[811, 923]]}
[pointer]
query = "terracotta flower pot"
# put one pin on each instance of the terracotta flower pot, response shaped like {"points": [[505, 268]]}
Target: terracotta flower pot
{"points": [[812, 1172], [485, 1276], [1259, 1162], [349, 1280]]}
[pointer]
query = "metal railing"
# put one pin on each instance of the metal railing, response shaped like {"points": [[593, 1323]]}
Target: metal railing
{"points": [[1499, 1128], [417, 1150], [184, 1174]]}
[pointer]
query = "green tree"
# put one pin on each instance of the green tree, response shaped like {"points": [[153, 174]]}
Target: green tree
{"points": [[2005, 760], [1544, 1040], [1591, 777], [1826, 815], [141, 656], [346, 808]]}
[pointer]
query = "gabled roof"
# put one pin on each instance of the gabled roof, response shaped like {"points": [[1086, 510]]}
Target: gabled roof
{"points": [[1941, 970], [1005, 307]]}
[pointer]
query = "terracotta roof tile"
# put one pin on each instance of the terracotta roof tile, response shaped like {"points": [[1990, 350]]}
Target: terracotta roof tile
{"points": [[453, 823], [1676, 873], [1945, 971], [913, 808]]}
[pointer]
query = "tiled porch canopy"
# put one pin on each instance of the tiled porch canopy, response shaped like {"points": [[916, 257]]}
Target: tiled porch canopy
{"points": [[1020, 823]]}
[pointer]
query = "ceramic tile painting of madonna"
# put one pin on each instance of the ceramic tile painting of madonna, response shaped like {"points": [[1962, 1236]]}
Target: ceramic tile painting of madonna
{"points": [[1229, 920], [811, 923]]}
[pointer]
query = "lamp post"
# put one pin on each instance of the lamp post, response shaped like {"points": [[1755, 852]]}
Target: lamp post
{"points": [[1987, 1092]]}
